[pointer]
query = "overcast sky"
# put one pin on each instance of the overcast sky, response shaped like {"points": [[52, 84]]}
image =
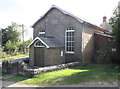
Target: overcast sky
{"points": [[29, 11]]}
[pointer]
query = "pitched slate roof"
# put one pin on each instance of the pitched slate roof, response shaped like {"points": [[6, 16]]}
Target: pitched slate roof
{"points": [[52, 42], [66, 13], [48, 42]]}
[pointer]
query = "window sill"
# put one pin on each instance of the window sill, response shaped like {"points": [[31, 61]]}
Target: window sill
{"points": [[38, 46], [70, 52]]}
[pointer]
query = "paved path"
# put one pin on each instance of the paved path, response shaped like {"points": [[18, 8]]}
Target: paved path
{"points": [[88, 84]]}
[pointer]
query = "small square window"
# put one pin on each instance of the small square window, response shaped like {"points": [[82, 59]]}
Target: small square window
{"points": [[42, 33]]}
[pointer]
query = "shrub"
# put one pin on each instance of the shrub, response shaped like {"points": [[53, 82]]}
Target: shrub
{"points": [[14, 53], [102, 56]]}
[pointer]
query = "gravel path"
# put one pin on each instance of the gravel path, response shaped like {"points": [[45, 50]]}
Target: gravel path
{"points": [[88, 84]]}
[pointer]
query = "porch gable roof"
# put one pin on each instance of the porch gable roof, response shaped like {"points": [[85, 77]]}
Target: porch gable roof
{"points": [[48, 42]]}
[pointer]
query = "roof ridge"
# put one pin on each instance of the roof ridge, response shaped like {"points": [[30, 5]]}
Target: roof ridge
{"points": [[67, 13]]}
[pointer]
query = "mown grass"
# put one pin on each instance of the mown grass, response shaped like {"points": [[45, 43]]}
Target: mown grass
{"points": [[12, 57], [4, 73], [75, 75]]}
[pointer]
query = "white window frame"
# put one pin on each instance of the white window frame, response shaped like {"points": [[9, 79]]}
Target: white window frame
{"points": [[38, 45], [68, 30], [113, 49], [42, 33]]}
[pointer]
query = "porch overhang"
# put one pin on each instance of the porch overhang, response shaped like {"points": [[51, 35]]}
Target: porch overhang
{"points": [[103, 34], [49, 42], [38, 38]]}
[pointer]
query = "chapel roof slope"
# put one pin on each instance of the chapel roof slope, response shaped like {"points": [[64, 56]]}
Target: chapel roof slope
{"points": [[67, 13]]}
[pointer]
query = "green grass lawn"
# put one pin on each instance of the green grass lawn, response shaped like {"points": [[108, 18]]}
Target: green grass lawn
{"points": [[11, 57], [4, 73], [75, 75]]}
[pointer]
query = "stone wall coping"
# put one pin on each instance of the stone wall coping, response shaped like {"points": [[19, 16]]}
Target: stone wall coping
{"points": [[16, 59], [50, 68]]}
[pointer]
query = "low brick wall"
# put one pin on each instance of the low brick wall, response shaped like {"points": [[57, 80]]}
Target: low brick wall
{"points": [[49, 68]]}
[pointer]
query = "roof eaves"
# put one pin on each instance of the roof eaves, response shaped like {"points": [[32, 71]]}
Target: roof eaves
{"points": [[106, 35]]}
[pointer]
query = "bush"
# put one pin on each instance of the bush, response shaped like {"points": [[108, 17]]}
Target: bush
{"points": [[4, 54], [103, 56], [15, 53]]}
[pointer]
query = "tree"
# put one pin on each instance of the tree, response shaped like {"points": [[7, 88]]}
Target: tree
{"points": [[0, 43], [21, 46], [10, 33], [0, 38], [23, 30], [115, 23], [10, 46]]}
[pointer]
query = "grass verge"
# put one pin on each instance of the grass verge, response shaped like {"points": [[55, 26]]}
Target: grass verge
{"points": [[4, 73], [74, 75], [12, 57]]}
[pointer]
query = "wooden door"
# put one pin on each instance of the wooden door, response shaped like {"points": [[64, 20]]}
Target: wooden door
{"points": [[39, 56]]}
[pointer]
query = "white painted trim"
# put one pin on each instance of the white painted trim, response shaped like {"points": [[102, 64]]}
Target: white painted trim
{"points": [[70, 52], [42, 33], [69, 30], [38, 46], [104, 34], [37, 38], [66, 40]]}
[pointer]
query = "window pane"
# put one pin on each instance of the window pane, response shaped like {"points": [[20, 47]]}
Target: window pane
{"points": [[72, 48], [67, 48], [67, 38], [72, 34], [38, 43], [72, 39], [72, 44], [67, 44], [66, 33]]}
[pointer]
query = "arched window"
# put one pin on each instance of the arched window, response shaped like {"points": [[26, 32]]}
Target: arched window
{"points": [[69, 40], [38, 44]]}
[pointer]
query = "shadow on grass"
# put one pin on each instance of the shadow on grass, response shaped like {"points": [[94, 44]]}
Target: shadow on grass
{"points": [[95, 73]]}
